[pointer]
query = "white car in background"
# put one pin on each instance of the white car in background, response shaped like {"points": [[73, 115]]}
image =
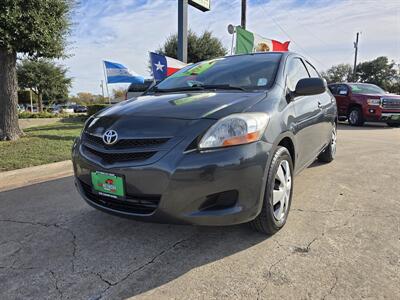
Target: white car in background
{"points": [[68, 109]]}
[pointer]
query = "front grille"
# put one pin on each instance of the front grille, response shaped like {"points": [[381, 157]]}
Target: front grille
{"points": [[110, 157], [388, 103], [125, 143], [136, 204]]}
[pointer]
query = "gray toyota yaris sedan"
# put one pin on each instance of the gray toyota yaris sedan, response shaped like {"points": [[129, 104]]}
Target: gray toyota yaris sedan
{"points": [[216, 143]]}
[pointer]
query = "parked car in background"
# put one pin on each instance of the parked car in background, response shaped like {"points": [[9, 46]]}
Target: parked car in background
{"points": [[54, 109], [361, 102], [20, 107], [80, 109], [68, 109], [137, 89], [218, 143], [31, 109]]}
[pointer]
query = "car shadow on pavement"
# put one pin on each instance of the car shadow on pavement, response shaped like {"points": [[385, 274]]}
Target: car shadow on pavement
{"points": [[94, 255], [145, 256], [366, 126]]}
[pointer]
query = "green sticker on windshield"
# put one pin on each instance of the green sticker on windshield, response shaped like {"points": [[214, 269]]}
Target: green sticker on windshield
{"points": [[198, 69]]}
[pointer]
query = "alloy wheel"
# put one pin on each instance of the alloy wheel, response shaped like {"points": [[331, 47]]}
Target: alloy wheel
{"points": [[353, 117], [333, 142], [282, 189]]}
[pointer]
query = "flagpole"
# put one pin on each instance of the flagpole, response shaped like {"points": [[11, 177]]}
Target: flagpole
{"points": [[232, 31], [105, 77], [233, 37]]}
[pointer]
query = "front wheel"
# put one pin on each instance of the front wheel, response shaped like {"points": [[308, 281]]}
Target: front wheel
{"points": [[330, 151], [356, 117], [278, 194]]}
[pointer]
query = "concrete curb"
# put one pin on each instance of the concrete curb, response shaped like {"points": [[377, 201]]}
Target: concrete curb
{"points": [[23, 177]]}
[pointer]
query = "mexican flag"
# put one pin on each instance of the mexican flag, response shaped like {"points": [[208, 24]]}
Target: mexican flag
{"points": [[248, 42]]}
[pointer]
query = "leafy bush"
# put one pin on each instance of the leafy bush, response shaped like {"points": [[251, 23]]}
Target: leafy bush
{"points": [[41, 115], [92, 109]]}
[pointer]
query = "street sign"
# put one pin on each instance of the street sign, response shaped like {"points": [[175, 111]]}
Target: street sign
{"points": [[203, 5]]}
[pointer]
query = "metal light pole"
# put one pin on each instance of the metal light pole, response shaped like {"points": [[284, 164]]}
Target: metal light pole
{"points": [[243, 19], [102, 88], [355, 56], [182, 30]]}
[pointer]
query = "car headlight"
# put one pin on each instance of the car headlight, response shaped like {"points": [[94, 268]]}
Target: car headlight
{"points": [[235, 129], [374, 101]]}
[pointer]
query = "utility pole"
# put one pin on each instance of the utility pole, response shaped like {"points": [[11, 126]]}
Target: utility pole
{"points": [[243, 19], [102, 88], [355, 56], [182, 30]]}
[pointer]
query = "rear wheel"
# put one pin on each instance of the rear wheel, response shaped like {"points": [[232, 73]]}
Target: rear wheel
{"points": [[330, 151], [278, 194], [356, 117], [393, 124]]}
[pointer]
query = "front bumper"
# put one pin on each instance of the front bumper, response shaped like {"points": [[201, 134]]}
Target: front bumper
{"points": [[185, 188], [379, 114], [391, 117]]}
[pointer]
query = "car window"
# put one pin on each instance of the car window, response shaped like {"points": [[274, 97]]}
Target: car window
{"points": [[140, 87], [311, 70], [333, 89], [342, 90], [295, 71], [251, 72], [366, 88]]}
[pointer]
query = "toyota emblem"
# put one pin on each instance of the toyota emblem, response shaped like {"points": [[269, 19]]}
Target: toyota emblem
{"points": [[110, 137]]}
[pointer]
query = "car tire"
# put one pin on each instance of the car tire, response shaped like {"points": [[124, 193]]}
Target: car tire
{"points": [[355, 116], [393, 124], [278, 194], [329, 152]]}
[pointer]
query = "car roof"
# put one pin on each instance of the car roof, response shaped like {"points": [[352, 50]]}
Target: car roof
{"points": [[283, 53]]}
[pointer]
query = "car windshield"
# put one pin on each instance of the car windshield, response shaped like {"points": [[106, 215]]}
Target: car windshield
{"points": [[360, 88], [242, 72]]}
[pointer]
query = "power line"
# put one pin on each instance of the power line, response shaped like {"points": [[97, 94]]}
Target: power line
{"points": [[293, 40]]}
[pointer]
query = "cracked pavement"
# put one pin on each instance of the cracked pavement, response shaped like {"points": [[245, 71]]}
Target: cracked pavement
{"points": [[341, 241]]}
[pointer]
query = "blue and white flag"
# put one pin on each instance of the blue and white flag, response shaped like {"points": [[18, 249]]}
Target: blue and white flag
{"points": [[117, 73]]}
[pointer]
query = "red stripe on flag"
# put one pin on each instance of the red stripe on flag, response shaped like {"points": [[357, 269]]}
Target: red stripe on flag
{"points": [[278, 46], [171, 71]]}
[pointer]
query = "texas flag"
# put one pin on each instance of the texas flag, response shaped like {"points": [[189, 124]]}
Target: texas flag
{"points": [[164, 66]]}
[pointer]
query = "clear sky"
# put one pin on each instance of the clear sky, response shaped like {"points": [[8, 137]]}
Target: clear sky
{"points": [[125, 31]]}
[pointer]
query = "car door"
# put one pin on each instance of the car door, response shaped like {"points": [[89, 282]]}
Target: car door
{"points": [[342, 99], [327, 114], [306, 114]]}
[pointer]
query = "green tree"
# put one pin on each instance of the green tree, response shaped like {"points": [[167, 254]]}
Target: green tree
{"points": [[378, 71], [338, 73], [86, 98], [200, 47], [44, 78], [37, 28], [119, 93]]}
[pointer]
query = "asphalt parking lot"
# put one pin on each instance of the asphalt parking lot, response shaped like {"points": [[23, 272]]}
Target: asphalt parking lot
{"points": [[342, 240]]}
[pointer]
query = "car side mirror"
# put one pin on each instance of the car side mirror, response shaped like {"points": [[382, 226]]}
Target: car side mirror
{"points": [[310, 86]]}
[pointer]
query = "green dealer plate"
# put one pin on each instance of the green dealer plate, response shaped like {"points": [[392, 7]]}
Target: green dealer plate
{"points": [[109, 184]]}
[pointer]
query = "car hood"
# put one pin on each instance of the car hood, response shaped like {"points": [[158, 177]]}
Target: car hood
{"points": [[188, 106]]}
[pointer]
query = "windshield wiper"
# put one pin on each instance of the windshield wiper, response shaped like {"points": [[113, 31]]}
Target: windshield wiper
{"points": [[223, 87], [178, 89]]}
